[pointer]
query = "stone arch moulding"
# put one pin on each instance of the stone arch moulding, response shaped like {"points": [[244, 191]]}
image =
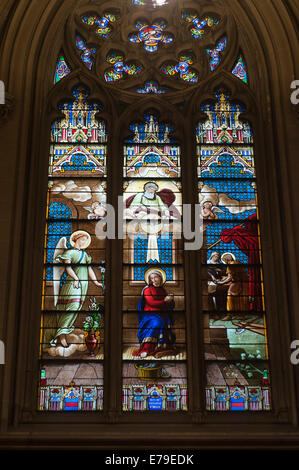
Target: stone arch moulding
{"points": [[30, 83], [7, 109]]}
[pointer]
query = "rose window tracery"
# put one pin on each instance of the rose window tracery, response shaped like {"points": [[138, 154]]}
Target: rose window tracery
{"points": [[151, 35], [199, 26], [215, 53], [182, 69], [151, 87], [102, 24], [87, 54], [120, 68], [160, 51]]}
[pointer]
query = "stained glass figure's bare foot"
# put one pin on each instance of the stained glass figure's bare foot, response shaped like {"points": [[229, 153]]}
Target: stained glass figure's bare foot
{"points": [[63, 341], [161, 352], [226, 318]]}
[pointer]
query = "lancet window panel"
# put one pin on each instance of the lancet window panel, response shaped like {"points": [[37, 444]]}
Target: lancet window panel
{"points": [[154, 325], [235, 332], [73, 297]]}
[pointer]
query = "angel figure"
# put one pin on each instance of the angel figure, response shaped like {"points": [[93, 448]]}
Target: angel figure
{"points": [[97, 211], [209, 211], [69, 297], [210, 200]]}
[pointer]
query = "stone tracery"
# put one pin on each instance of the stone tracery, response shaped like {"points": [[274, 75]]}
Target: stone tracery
{"points": [[159, 31]]}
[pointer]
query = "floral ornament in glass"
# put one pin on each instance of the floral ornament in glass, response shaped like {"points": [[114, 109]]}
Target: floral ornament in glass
{"points": [[199, 25], [86, 53], [240, 70], [182, 69], [62, 69], [94, 318], [120, 69], [151, 35], [103, 23], [151, 87], [215, 53], [92, 325], [103, 270]]}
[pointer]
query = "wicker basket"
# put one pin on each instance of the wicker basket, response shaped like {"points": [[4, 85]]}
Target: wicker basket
{"points": [[149, 374]]}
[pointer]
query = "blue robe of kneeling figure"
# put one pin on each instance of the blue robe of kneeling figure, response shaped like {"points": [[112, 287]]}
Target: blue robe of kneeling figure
{"points": [[155, 316]]}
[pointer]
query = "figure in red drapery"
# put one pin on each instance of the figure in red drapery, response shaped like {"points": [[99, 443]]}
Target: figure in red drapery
{"points": [[246, 238]]}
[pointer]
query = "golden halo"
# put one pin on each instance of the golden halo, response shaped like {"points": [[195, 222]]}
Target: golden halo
{"points": [[228, 253], [153, 270], [80, 232]]}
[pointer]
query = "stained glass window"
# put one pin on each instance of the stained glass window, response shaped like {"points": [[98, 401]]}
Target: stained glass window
{"points": [[182, 69], [151, 35], [240, 70], [215, 53], [103, 28], [235, 336], [154, 337], [151, 87], [153, 3], [154, 350], [71, 336], [199, 26], [62, 69], [87, 54], [120, 69]]}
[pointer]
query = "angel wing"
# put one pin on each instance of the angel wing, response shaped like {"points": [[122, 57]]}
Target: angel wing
{"points": [[209, 194], [217, 209], [58, 270], [100, 194], [88, 208], [236, 206]]}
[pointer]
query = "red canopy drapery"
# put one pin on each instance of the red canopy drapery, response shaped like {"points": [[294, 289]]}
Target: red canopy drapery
{"points": [[246, 238]]}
